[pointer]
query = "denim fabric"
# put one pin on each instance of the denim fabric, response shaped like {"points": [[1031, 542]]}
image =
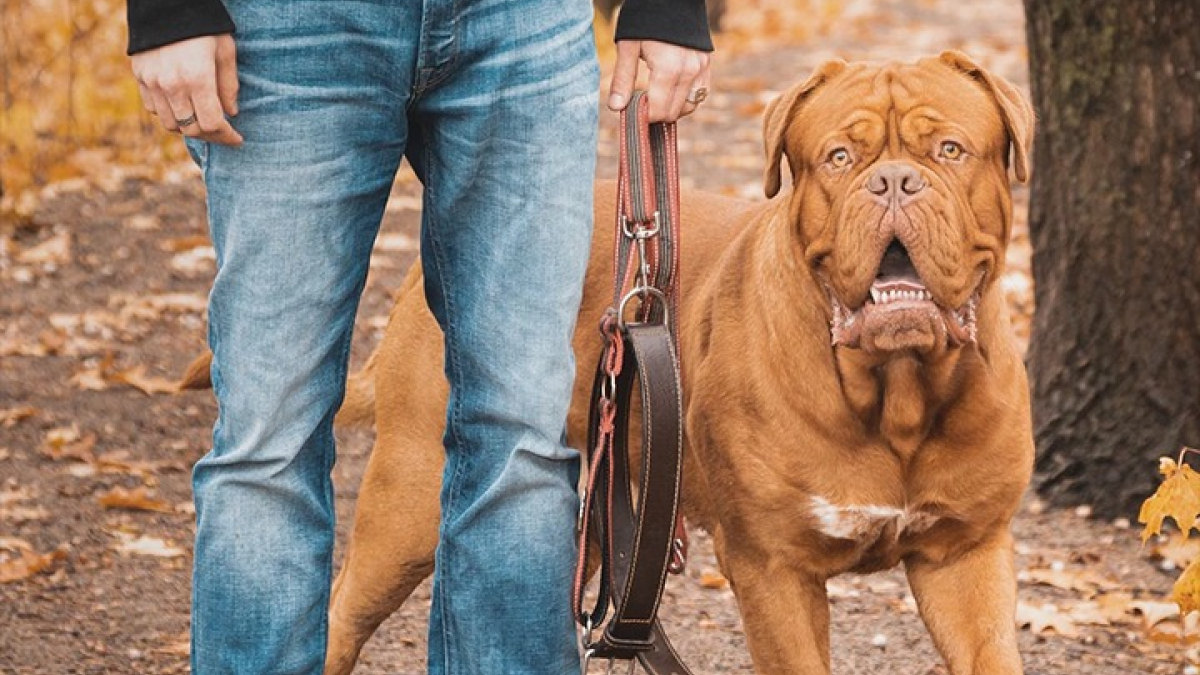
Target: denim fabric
{"points": [[494, 102]]}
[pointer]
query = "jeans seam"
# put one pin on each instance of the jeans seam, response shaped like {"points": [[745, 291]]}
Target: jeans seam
{"points": [[343, 367], [454, 366], [438, 75]]}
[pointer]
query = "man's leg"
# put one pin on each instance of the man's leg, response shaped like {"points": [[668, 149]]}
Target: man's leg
{"points": [[506, 146], [294, 213]]}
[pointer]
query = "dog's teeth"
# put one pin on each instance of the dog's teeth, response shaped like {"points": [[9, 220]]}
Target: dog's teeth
{"points": [[876, 296]]}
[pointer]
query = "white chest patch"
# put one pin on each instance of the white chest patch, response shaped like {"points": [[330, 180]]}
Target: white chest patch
{"points": [[866, 521]]}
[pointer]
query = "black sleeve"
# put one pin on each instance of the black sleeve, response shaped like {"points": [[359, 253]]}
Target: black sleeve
{"points": [[680, 22], [154, 23]]}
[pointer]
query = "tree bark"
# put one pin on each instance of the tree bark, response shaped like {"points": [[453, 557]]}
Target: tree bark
{"points": [[1115, 225]]}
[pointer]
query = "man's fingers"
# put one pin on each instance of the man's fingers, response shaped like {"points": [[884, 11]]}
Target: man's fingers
{"points": [[192, 81], [162, 108], [147, 98], [227, 79], [697, 92], [211, 124], [624, 74], [182, 112], [665, 99]]}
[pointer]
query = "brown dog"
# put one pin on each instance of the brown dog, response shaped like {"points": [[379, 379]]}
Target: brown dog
{"points": [[854, 397]]}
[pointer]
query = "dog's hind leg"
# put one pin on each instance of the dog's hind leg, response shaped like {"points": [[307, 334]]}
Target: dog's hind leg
{"points": [[390, 551]]}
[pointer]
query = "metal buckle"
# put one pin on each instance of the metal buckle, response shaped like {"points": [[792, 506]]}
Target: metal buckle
{"points": [[641, 233]]}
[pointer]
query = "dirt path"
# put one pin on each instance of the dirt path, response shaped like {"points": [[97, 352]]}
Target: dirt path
{"points": [[110, 275]]}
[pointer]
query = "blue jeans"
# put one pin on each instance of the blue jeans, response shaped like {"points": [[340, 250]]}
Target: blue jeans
{"points": [[494, 102]]}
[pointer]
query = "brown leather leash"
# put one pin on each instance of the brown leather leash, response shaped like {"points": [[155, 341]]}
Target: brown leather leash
{"points": [[639, 544]]}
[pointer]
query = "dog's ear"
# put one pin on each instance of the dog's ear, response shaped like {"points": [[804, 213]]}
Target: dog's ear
{"points": [[1015, 109], [782, 109]]}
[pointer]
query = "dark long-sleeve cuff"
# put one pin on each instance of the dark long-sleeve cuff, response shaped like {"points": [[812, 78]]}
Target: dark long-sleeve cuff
{"points": [[154, 23], [680, 22]]}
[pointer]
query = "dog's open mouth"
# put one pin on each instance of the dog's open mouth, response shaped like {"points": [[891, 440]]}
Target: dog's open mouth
{"points": [[901, 313]]}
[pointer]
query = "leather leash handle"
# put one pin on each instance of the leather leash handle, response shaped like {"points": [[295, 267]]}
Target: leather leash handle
{"points": [[639, 544]]}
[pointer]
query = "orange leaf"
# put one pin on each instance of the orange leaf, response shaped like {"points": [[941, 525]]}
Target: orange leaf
{"points": [[136, 377], [1178, 498], [66, 443], [137, 499], [713, 581], [1186, 592], [11, 416], [29, 564], [181, 244]]}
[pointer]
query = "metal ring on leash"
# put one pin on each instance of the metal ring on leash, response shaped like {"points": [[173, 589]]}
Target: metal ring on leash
{"points": [[643, 292]]}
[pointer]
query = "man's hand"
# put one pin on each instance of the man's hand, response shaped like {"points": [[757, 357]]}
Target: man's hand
{"points": [[191, 85], [675, 74]]}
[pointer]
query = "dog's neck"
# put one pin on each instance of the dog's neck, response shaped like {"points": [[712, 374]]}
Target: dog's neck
{"points": [[898, 398]]}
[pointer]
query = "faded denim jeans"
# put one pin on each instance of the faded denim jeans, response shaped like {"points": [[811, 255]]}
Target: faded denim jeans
{"points": [[494, 103]]}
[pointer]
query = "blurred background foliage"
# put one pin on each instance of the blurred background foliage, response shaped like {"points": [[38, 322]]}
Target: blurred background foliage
{"points": [[69, 104], [70, 107]]}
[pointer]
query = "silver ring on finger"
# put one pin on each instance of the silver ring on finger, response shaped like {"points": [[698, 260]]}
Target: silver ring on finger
{"points": [[187, 121], [697, 95]]}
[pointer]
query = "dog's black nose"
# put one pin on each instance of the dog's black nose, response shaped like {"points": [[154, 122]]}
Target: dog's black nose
{"points": [[892, 180]]}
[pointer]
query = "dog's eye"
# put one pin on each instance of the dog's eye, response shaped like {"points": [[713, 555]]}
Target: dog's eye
{"points": [[839, 158], [951, 150]]}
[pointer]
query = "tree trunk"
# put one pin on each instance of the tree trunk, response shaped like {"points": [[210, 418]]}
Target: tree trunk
{"points": [[1115, 226]]}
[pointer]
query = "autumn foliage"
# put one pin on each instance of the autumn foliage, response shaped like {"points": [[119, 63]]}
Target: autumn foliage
{"points": [[1178, 498], [69, 104]]}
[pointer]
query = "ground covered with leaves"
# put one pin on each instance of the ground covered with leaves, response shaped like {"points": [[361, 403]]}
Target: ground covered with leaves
{"points": [[104, 284]]}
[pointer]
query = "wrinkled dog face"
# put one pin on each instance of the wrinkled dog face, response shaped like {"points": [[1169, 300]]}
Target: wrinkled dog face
{"points": [[901, 197]]}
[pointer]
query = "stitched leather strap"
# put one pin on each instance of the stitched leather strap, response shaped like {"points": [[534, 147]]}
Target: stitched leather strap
{"points": [[638, 541]]}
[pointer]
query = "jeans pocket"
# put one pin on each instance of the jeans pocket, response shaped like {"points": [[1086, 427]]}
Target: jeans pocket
{"points": [[198, 150]]}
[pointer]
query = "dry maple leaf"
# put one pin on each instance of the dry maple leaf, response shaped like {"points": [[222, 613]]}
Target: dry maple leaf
{"points": [[1082, 581], [1177, 550], [66, 443], [1178, 498], [11, 416], [713, 581], [137, 378], [1044, 619], [181, 244], [55, 250], [1186, 592], [148, 546], [137, 499], [1154, 613], [29, 564]]}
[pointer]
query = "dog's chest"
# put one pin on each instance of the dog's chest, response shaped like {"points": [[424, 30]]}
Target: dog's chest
{"points": [[877, 533]]}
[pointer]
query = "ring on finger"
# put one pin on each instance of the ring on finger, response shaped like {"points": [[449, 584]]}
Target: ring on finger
{"points": [[697, 95], [186, 122]]}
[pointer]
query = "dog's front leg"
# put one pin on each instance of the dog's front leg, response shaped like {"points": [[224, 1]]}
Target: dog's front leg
{"points": [[785, 615], [969, 605]]}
